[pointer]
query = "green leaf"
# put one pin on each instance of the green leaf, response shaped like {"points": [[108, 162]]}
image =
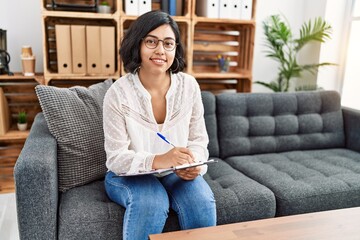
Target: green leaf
{"points": [[22, 117], [313, 68], [319, 32]]}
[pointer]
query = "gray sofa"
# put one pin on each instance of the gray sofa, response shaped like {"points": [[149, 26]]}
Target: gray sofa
{"points": [[279, 154]]}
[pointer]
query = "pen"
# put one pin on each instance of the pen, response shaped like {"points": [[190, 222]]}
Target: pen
{"points": [[164, 138]]}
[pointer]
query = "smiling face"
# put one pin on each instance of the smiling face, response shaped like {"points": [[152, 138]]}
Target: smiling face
{"points": [[158, 60]]}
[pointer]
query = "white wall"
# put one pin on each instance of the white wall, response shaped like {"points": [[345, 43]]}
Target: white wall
{"points": [[337, 13], [23, 27]]}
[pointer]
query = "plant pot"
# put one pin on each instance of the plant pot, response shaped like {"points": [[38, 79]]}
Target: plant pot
{"points": [[103, 9], [22, 126]]}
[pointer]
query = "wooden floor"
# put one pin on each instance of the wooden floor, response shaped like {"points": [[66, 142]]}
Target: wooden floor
{"points": [[7, 185]]}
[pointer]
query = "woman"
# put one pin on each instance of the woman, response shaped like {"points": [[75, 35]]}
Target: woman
{"points": [[155, 97]]}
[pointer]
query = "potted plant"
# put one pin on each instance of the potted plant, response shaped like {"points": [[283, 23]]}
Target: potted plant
{"points": [[284, 48], [22, 121], [104, 7]]}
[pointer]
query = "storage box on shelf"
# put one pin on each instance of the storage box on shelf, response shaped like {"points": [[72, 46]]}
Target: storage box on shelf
{"points": [[19, 92]]}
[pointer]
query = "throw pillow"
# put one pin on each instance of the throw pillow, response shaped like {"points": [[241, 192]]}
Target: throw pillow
{"points": [[74, 118]]}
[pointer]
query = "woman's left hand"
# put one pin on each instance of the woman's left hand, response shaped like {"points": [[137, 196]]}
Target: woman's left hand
{"points": [[188, 173]]}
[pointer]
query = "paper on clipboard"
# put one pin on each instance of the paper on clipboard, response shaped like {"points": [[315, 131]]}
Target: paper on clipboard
{"points": [[165, 170]]}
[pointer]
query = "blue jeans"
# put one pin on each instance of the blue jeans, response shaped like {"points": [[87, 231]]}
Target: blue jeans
{"points": [[147, 200]]}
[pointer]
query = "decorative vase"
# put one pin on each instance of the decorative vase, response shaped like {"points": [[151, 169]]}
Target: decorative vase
{"points": [[22, 126], [104, 9]]}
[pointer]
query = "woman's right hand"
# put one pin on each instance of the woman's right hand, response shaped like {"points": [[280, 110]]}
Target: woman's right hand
{"points": [[175, 157]]}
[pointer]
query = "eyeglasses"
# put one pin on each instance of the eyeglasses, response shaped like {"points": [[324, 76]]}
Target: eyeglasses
{"points": [[169, 44]]}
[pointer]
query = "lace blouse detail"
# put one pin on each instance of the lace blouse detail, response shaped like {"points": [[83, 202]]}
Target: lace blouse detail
{"points": [[142, 100], [130, 128]]}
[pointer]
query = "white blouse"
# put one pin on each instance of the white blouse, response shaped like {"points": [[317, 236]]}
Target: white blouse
{"points": [[130, 128]]}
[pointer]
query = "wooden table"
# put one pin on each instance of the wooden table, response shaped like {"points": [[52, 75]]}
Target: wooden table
{"points": [[341, 224]]}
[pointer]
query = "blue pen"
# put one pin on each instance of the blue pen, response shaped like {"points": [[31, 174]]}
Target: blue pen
{"points": [[164, 138]]}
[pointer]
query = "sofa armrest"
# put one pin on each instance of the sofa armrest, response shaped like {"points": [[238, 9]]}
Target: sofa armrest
{"points": [[352, 128], [36, 184]]}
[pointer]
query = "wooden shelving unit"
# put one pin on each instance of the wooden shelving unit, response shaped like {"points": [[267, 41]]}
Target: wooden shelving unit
{"points": [[204, 39], [14, 135], [231, 38], [20, 95]]}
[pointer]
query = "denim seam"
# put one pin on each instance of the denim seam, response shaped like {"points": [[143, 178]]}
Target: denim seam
{"points": [[180, 213], [128, 210]]}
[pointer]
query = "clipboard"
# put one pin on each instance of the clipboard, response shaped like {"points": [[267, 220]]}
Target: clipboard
{"points": [[166, 170]]}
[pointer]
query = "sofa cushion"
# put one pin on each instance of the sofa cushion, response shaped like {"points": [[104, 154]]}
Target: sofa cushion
{"points": [[210, 120], [74, 118], [87, 211], [306, 181], [255, 123], [238, 198]]}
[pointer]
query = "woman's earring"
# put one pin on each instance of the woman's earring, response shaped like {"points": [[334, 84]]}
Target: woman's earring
{"points": [[137, 70]]}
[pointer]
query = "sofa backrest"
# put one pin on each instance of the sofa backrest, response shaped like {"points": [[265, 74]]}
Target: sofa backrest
{"points": [[210, 120], [254, 123]]}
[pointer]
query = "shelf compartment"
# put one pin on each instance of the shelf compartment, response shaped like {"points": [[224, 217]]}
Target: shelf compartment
{"points": [[228, 84], [218, 75], [49, 8], [51, 68], [20, 95], [66, 83], [156, 5], [194, 7], [218, 86], [231, 40]]}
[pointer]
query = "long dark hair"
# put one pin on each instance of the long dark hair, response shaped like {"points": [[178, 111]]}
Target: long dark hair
{"points": [[130, 45]]}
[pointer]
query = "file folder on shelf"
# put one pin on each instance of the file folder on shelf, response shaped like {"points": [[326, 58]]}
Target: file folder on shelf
{"points": [[235, 8], [207, 8], [165, 6], [225, 9], [63, 48], [131, 7], [93, 51], [144, 6], [179, 8], [246, 9], [107, 40], [172, 7], [78, 47]]}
